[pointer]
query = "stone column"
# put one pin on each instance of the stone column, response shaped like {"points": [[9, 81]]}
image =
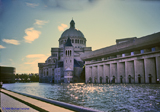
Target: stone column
{"points": [[126, 76], [94, 73], [118, 72], [145, 71], [135, 75], [158, 67], [98, 73], [86, 73], [104, 74]]}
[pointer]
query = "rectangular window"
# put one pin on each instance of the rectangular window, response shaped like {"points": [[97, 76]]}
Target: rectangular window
{"points": [[153, 49], [54, 55], [132, 53], [142, 51], [123, 55], [72, 40]]}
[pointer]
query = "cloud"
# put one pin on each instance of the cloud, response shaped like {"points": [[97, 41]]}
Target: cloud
{"points": [[31, 35], [39, 23], [35, 55], [70, 4], [62, 27], [34, 59], [2, 47], [12, 62], [11, 41], [33, 5]]}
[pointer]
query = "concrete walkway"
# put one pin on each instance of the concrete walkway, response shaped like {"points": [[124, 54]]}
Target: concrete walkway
{"points": [[36, 104], [9, 104]]}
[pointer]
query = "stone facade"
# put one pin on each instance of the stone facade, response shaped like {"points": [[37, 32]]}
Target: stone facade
{"points": [[131, 60], [65, 64]]}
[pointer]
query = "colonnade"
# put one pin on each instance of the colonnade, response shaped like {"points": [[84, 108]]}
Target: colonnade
{"points": [[130, 70]]}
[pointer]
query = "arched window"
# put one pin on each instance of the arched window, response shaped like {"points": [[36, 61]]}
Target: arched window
{"points": [[66, 52]]}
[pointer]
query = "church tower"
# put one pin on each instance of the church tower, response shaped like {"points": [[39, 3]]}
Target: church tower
{"points": [[68, 61]]}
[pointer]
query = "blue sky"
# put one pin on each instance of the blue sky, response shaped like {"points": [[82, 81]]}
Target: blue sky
{"points": [[29, 28]]}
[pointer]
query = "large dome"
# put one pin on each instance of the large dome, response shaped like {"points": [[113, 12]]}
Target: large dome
{"points": [[72, 32]]}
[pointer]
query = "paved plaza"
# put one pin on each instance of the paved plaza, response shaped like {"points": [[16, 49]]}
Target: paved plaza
{"points": [[9, 104]]}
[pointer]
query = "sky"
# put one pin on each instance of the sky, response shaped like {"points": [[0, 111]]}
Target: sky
{"points": [[30, 28]]}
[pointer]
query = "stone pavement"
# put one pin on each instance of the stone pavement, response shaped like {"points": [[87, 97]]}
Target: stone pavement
{"points": [[39, 105], [9, 104]]}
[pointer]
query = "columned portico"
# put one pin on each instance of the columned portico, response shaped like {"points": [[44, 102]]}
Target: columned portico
{"points": [[135, 60]]}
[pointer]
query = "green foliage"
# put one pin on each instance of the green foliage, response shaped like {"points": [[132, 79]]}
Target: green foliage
{"points": [[27, 77]]}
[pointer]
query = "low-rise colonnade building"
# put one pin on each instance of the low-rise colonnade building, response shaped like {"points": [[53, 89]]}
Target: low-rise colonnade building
{"points": [[131, 60]]}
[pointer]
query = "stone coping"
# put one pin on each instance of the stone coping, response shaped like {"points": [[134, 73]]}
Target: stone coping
{"points": [[55, 103]]}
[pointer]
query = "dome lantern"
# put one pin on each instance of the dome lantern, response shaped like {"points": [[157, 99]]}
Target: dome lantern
{"points": [[72, 24]]}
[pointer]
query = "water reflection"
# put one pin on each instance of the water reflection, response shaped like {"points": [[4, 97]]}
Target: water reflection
{"points": [[104, 97]]}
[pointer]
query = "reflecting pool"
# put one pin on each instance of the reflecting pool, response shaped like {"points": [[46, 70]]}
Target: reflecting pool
{"points": [[104, 97]]}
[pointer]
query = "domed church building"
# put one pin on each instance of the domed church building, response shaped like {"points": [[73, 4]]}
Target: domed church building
{"points": [[65, 64]]}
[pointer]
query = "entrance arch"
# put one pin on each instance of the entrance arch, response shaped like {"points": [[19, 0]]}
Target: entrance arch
{"points": [[129, 78], [53, 80], [106, 79], [113, 80], [139, 78], [121, 79], [150, 78], [90, 80], [95, 80], [101, 80]]}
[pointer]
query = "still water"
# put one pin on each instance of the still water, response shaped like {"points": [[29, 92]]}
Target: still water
{"points": [[104, 97]]}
